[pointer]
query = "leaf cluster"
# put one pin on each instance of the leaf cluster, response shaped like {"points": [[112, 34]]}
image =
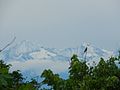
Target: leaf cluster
{"points": [[104, 76]]}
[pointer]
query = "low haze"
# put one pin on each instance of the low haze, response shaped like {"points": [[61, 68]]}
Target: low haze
{"points": [[61, 23]]}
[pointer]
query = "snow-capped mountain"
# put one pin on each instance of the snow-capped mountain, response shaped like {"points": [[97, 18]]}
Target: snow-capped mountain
{"points": [[26, 50], [94, 54], [42, 54], [29, 57]]}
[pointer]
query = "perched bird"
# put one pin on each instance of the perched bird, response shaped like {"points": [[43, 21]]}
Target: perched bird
{"points": [[85, 50], [0, 50]]}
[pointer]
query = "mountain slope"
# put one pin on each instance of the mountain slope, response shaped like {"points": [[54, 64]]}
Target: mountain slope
{"points": [[29, 57], [26, 50]]}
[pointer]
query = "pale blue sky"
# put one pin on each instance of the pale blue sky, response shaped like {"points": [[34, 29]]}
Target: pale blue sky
{"points": [[61, 23]]}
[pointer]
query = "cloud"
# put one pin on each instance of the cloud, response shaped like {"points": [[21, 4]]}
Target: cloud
{"points": [[37, 66]]}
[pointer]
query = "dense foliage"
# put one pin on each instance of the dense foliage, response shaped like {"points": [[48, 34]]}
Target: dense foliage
{"points": [[103, 76], [14, 80]]}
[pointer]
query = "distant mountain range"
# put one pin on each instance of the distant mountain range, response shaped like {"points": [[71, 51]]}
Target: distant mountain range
{"points": [[27, 53], [26, 50]]}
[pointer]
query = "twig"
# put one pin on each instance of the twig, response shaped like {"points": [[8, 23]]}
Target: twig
{"points": [[8, 44]]}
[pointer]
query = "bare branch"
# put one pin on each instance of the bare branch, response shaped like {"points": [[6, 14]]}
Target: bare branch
{"points": [[8, 44]]}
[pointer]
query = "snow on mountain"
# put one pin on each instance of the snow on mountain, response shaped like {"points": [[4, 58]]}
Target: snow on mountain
{"points": [[26, 50], [21, 51], [94, 54], [27, 56], [42, 54], [93, 51]]}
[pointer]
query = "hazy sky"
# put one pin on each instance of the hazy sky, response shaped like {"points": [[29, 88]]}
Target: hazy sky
{"points": [[61, 23]]}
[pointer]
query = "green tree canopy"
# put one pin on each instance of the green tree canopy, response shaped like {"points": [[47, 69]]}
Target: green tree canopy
{"points": [[104, 76]]}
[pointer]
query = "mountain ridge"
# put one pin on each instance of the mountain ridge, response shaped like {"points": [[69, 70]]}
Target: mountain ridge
{"points": [[26, 50], [27, 57]]}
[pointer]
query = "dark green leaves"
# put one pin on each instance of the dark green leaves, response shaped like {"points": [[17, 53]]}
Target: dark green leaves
{"points": [[104, 76]]}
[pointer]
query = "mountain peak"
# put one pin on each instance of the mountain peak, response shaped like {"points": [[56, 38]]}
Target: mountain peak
{"points": [[86, 44], [26, 49]]}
